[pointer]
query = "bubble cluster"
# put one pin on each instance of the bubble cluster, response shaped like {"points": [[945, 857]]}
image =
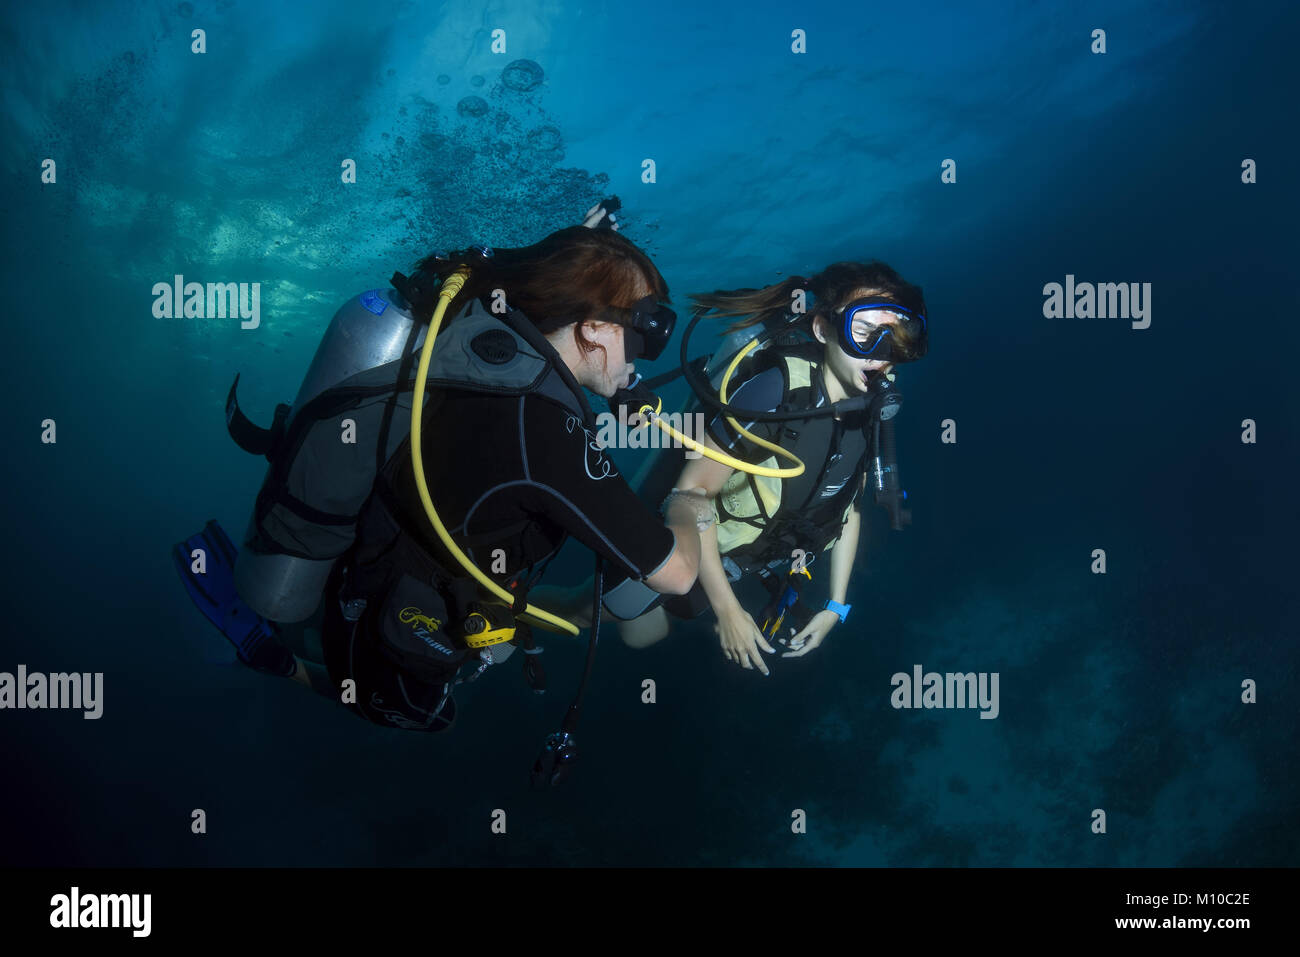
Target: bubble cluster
{"points": [[472, 106], [544, 139], [522, 76]]}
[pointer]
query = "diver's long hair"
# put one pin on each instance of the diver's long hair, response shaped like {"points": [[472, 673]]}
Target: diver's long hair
{"points": [[572, 275], [831, 290]]}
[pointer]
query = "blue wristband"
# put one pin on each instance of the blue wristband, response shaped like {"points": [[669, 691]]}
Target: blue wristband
{"points": [[841, 610]]}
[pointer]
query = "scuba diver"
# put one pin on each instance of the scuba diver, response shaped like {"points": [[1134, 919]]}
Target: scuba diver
{"points": [[411, 542], [817, 386]]}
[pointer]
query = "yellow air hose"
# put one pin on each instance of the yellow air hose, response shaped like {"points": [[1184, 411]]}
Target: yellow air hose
{"points": [[738, 464], [534, 615]]}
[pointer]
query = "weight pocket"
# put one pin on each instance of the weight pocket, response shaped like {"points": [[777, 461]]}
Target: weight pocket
{"points": [[411, 623]]}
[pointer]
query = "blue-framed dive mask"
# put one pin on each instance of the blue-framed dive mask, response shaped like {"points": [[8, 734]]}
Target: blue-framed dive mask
{"points": [[864, 333]]}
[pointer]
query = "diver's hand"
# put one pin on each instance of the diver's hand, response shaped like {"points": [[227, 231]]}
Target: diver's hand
{"points": [[813, 634], [596, 214], [741, 639]]}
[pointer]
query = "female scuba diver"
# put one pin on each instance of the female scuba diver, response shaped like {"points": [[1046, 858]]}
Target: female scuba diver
{"points": [[415, 553], [818, 390]]}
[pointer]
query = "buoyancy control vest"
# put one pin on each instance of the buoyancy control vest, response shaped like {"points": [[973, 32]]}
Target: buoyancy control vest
{"points": [[762, 520], [402, 581], [327, 494]]}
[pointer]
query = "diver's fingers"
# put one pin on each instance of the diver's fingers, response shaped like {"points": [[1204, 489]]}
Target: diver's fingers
{"points": [[798, 648], [727, 651], [758, 660], [804, 634], [804, 649]]}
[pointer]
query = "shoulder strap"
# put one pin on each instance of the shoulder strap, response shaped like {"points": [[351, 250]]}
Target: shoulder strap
{"points": [[504, 355]]}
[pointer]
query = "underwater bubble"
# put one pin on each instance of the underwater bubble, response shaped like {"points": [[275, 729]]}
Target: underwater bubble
{"points": [[522, 76], [443, 79], [472, 106], [544, 139], [476, 81]]}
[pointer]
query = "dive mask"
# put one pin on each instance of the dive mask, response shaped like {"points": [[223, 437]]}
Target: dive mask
{"points": [[647, 331], [863, 333]]}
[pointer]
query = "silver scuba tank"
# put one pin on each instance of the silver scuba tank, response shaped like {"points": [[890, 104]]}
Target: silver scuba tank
{"points": [[368, 331], [727, 350]]}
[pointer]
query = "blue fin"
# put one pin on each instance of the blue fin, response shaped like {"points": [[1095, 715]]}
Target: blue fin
{"points": [[213, 593]]}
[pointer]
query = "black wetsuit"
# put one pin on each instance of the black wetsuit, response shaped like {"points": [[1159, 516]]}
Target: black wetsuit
{"points": [[517, 473]]}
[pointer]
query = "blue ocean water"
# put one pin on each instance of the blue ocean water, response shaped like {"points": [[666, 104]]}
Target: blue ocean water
{"points": [[1120, 692]]}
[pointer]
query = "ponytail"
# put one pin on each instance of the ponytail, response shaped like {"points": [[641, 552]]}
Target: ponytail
{"points": [[754, 305], [832, 288]]}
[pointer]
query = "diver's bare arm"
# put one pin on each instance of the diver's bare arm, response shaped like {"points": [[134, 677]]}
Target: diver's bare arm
{"points": [[846, 550], [706, 474], [712, 576], [842, 555]]}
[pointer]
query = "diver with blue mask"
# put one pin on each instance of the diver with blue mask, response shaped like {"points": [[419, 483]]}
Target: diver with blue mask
{"points": [[818, 389]]}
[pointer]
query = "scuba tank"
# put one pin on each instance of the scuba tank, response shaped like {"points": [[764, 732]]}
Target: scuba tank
{"points": [[351, 412], [775, 332], [727, 349]]}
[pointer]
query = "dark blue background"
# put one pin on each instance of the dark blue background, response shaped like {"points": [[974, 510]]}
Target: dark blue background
{"points": [[1119, 692]]}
